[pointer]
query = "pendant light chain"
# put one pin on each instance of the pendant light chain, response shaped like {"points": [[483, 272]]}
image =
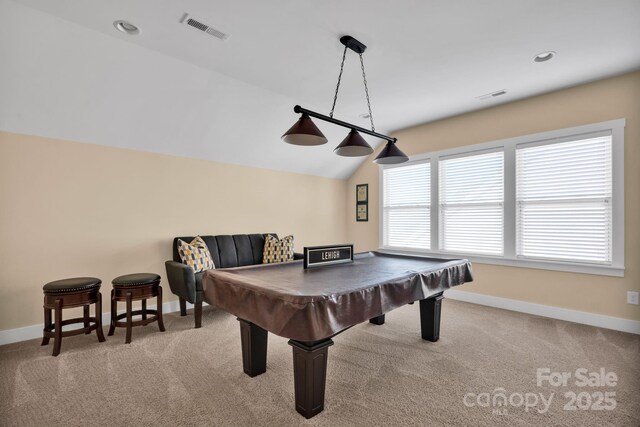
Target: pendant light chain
{"points": [[335, 97], [366, 92]]}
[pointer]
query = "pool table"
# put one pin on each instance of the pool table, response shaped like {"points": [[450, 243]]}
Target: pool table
{"points": [[311, 306]]}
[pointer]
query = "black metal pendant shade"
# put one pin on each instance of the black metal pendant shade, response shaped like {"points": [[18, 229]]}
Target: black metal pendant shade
{"points": [[353, 145], [390, 155], [304, 132]]}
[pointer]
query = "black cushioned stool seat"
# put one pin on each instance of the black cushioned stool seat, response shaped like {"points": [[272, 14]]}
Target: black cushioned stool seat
{"points": [[67, 293], [72, 285], [133, 287]]}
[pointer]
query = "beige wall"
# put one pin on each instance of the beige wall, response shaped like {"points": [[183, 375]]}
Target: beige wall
{"points": [[608, 99], [71, 209]]}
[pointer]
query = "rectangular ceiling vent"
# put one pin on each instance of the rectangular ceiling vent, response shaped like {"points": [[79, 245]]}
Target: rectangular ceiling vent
{"points": [[200, 26], [492, 94]]}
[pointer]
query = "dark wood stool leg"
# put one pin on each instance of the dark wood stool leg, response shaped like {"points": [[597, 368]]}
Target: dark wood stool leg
{"points": [[310, 375], [99, 319], [377, 320], [47, 325], [85, 312], [183, 306], [129, 317], [114, 313], [144, 309], [430, 309], [159, 309], [57, 338], [197, 311], [254, 348]]}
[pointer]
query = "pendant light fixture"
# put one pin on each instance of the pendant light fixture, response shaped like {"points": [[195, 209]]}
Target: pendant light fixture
{"points": [[305, 132]]}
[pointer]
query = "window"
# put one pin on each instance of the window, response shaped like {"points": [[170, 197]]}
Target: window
{"points": [[553, 200], [563, 194], [471, 204], [406, 206]]}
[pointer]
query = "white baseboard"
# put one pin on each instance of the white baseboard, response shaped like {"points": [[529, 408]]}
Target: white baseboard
{"points": [[35, 331], [592, 319], [608, 322]]}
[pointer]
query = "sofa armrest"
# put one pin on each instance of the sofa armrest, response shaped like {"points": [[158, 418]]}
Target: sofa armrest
{"points": [[182, 280], [298, 255]]}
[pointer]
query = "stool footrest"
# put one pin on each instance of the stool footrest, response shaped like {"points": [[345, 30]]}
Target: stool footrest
{"points": [[49, 331], [153, 318]]}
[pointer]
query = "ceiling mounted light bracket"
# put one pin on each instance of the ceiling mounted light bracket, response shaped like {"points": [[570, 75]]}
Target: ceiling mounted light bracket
{"points": [[353, 44], [305, 132]]}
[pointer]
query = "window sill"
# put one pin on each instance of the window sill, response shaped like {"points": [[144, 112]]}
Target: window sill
{"points": [[601, 270]]}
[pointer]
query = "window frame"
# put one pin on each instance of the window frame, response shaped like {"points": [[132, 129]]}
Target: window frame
{"points": [[509, 146]]}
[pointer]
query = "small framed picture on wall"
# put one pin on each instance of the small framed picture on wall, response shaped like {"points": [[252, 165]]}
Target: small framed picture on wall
{"points": [[362, 213], [362, 202]]}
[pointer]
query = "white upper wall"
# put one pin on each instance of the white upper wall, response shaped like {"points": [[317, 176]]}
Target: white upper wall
{"points": [[67, 73], [62, 80]]}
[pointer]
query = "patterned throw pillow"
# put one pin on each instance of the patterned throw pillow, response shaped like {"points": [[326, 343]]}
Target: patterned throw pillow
{"points": [[195, 254], [277, 250]]}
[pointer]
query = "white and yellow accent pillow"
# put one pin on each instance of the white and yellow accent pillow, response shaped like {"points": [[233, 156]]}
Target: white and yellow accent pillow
{"points": [[277, 250], [195, 254]]}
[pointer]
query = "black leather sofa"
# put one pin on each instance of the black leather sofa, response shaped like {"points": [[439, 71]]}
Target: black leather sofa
{"points": [[227, 251]]}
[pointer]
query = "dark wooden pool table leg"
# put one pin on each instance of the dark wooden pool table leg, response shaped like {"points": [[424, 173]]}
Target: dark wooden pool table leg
{"points": [[310, 375], [377, 320], [430, 309], [254, 348]]}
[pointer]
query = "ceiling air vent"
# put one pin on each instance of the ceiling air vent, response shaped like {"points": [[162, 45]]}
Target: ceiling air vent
{"points": [[200, 26], [492, 94]]}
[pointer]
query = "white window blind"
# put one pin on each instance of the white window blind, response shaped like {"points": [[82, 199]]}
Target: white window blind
{"points": [[563, 197], [471, 204], [406, 206]]}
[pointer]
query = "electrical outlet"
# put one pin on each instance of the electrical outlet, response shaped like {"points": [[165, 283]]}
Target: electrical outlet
{"points": [[632, 297]]}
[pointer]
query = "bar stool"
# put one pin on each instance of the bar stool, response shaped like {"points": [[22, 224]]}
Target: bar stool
{"points": [[133, 287], [68, 293]]}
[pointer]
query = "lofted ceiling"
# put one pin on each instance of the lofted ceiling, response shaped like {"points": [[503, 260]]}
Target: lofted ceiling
{"points": [[69, 74]]}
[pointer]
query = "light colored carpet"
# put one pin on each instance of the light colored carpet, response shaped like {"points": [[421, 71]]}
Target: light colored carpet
{"points": [[377, 375]]}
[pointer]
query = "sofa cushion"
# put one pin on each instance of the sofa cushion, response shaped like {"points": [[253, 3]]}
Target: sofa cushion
{"points": [[257, 247], [277, 250], [243, 249], [213, 248], [230, 251], [195, 254], [227, 251]]}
